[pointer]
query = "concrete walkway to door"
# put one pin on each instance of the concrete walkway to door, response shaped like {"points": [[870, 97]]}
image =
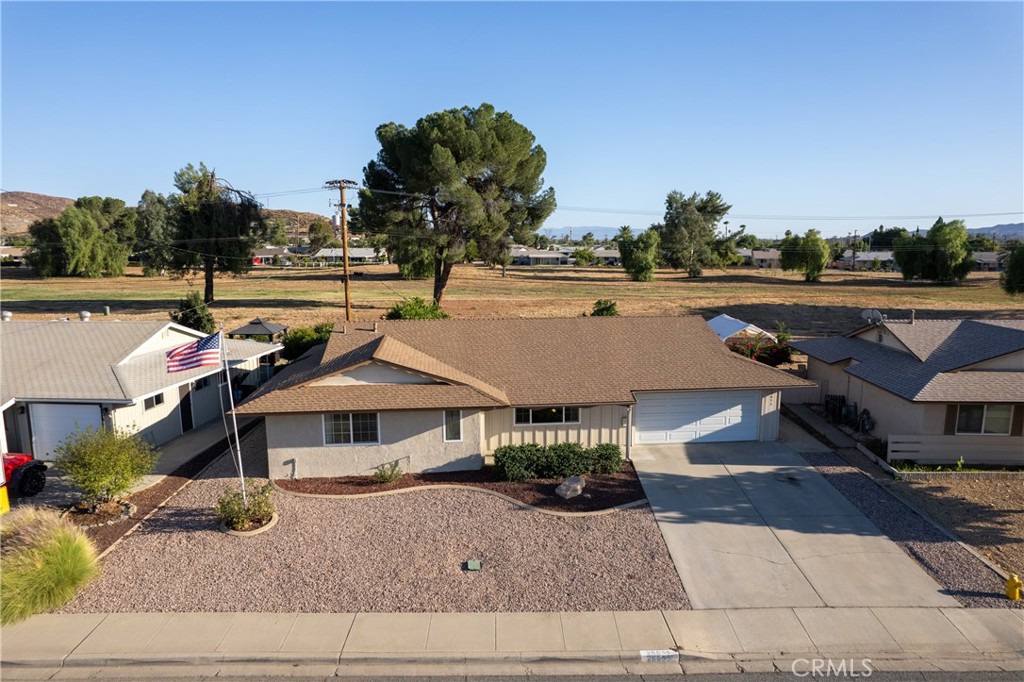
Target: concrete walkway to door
{"points": [[752, 525]]}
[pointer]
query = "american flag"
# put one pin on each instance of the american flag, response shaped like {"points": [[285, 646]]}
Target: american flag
{"points": [[199, 353]]}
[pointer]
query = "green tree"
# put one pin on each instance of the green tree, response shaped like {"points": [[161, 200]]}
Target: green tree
{"points": [[154, 233], [584, 256], [321, 233], [456, 175], [277, 233], [689, 229], [749, 241], [193, 313], [882, 239], [943, 255], [587, 239], [416, 309], [639, 254], [1012, 279], [90, 238], [605, 308], [980, 242], [496, 252], [217, 227], [809, 254], [298, 340]]}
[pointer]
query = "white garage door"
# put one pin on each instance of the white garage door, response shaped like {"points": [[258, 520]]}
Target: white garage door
{"points": [[697, 417], [51, 423]]}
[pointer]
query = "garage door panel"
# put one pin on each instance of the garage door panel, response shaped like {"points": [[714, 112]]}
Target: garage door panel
{"points": [[52, 423], [697, 417]]}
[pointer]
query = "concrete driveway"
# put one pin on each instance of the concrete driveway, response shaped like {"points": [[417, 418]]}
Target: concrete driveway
{"points": [[751, 525]]}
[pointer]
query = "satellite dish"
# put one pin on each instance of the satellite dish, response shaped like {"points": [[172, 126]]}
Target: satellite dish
{"points": [[874, 317]]}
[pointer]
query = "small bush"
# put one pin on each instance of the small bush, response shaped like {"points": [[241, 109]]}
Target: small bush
{"points": [[416, 309], [104, 464], [522, 462], [44, 562], [605, 308], [300, 339], [387, 473], [193, 313], [236, 515]]}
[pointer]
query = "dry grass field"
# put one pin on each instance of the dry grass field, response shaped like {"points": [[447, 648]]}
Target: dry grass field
{"points": [[299, 296]]}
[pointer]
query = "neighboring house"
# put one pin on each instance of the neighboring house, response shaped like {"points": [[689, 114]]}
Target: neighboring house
{"points": [[12, 254], [766, 258], [266, 255], [355, 255], [936, 390], [523, 255], [746, 254], [866, 260], [603, 256], [437, 395], [59, 377], [990, 261], [727, 327]]}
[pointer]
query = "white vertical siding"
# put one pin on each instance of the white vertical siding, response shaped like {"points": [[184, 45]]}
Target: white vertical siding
{"points": [[598, 424], [771, 401], [156, 425]]}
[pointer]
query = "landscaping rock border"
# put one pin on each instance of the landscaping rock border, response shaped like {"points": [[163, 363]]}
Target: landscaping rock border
{"points": [[249, 533]]}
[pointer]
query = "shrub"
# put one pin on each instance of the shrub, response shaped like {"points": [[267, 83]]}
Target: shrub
{"points": [[416, 309], [104, 464], [300, 339], [521, 462], [237, 515], [193, 313], [605, 308], [387, 473], [44, 562]]}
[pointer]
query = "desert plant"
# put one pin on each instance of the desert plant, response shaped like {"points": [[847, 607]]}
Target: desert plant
{"points": [[246, 514], [387, 473], [44, 562], [105, 463]]}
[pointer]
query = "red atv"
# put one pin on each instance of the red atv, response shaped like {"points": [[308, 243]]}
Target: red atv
{"points": [[24, 475]]}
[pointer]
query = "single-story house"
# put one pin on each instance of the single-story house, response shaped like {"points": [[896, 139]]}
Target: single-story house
{"points": [[524, 255], [866, 260], [355, 255], [266, 255], [435, 395], [766, 258], [60, 377], [990, 261], [603, 256], [728, 327], [13, 255], [936, 390]]}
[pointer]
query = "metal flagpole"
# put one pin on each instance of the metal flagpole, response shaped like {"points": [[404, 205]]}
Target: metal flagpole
{"points": [[234, 418]]}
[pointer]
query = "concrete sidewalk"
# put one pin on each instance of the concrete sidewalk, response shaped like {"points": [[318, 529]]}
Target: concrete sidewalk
{"points": [[194, 644]]}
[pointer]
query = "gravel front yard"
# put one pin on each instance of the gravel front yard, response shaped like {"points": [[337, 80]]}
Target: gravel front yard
{"points": [[392, 554]]}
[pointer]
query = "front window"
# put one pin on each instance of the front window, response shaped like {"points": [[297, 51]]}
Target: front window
{"points": [[153, 400], [984, 419], [547, 415], [453, 425], [347, 428]]}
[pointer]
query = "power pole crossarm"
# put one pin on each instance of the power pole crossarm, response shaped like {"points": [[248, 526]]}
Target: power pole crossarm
{"points": [[342, 185]]}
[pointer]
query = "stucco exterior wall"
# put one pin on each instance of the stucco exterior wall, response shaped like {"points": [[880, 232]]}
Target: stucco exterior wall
{"points": [[771, 402], [1013, 362], [882, 336], [832, 378], [156, 425], [599, 424], [295, 445]]}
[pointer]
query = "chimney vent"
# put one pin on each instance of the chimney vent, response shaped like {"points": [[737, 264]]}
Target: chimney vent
{"points": [[84, 315], [374, 326], [912, 315], [6, 315]]}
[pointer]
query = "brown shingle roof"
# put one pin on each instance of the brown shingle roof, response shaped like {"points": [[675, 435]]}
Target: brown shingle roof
{"points": [[570, 361]]}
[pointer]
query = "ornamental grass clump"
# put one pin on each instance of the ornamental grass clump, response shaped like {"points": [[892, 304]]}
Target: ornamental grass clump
{"points": [[254, 512], [44, 562]]}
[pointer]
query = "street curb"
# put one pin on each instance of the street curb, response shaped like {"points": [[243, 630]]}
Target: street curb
{"points": [[448, 486]]}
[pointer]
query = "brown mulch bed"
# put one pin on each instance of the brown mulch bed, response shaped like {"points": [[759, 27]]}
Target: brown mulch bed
{"points": [[152, 497], [602, 491]]}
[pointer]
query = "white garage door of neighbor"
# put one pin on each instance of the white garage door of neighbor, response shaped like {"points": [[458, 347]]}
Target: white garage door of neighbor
{"points": [[697, 417], [51, 423]]}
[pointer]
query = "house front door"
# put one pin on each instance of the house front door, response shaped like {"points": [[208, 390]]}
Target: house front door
{"points": [[185, 408]]}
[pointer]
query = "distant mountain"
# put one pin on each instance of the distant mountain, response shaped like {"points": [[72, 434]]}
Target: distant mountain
{"points": [[600, 232], [18, 210], [1011, 230]]}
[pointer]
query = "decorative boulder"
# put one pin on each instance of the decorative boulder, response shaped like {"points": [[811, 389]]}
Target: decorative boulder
{"points": [[570, 487]]}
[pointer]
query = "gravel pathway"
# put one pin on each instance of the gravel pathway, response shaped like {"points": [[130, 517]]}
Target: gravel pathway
{"points": [[967, 578], [393, 554]]}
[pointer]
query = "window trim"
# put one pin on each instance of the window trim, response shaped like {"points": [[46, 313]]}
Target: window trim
{"points": [[444, 427], [323, 430], [579, 415], [984, 420]]}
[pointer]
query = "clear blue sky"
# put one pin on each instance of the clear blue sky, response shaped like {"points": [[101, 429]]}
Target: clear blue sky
{"points": [[803, 109]]}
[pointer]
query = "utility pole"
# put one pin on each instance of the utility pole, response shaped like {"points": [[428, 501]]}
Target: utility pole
{"points": [[853, 245], [342, 185]]}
